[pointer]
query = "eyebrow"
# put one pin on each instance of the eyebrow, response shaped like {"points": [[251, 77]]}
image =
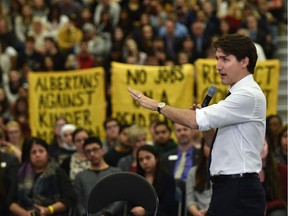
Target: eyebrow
{"points": [[221, 56]]}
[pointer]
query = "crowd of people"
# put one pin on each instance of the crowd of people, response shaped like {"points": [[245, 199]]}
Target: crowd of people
{"points": [[37, 177], [42, 35], [40, 178]]}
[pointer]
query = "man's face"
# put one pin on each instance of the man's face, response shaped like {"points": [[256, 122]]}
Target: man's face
{"points": [[123, 138], [162, 134], [183, 134], [230, 70], [112, 129], [94, 153]]}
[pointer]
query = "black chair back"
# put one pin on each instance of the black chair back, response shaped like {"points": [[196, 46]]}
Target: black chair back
{"points": [[123, 186]]}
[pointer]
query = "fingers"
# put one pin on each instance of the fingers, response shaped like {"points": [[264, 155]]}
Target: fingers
{"points": [[135, 94]]}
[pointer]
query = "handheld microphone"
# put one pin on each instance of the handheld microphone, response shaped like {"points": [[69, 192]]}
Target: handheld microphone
{"points": [[210, 93]]}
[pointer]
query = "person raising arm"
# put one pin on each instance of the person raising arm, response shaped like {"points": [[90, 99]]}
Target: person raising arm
{"points": [[240, 122]]}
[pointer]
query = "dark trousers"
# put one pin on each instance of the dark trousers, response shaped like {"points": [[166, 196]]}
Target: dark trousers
{"points": [[237, 197]]}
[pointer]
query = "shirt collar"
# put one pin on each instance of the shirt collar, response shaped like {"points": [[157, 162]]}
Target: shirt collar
{"points": [[242, 82], [190, 150]]}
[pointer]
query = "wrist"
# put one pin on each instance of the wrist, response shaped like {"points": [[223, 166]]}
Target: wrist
{"points": [[50, 209], [11, 149], [160, 106]]}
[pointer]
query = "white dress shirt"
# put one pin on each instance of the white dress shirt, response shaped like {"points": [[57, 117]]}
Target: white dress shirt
{"points": [[241, 122]]}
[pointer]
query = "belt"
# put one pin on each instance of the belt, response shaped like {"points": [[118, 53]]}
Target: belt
{"points": [[217, 178]]}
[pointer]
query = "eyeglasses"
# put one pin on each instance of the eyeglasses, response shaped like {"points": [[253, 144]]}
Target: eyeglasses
{"points": [[93, 150]]}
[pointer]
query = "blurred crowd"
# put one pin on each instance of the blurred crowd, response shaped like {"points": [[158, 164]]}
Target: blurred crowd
{"points": [[59, 35], [40, 178], [54, 35]]}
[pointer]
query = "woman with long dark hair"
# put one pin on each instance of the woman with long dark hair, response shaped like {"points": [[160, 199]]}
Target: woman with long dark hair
{"points": [[148, 166], [198, 188], [41, 185]]}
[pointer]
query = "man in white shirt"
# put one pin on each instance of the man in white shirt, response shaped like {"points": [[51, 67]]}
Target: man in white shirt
{"points": [[240, 123]]}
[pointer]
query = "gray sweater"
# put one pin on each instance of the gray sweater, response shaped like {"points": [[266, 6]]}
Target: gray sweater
{"points": [[84, 183], [201, 200]]}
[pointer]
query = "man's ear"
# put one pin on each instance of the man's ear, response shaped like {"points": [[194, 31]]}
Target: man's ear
{"points": [[245, 62]]}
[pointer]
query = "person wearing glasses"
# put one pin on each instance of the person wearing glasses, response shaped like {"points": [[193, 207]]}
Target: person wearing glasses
{"points": [[86, 179]]}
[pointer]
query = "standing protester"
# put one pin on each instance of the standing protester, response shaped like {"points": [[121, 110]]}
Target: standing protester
{"points": [[240, 122]]}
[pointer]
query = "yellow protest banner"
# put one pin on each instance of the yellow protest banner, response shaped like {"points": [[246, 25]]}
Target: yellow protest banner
{"points": [[78, 95], [266, 75], [170, 84]]}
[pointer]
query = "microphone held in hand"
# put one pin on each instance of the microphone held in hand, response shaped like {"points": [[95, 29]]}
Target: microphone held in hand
{"points": [[210, 93]]}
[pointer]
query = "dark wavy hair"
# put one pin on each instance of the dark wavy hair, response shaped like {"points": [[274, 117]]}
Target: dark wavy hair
{"points": [[202, 172], [92, 140], [240, 46]]}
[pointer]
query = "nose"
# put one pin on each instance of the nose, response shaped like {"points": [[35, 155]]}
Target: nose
{"points": [[144, 161], [218, 65]]}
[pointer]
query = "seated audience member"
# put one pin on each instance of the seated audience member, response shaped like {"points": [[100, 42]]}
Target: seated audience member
{"points": [[111, 126], [137, 137], [56, 143], [148, 166], [280, 158], [5, 183], [180, 160], [68, 147], [76, 162], [85, 58], [5, 64], [273, 126], [13, 84], [280, 155], [86, 179], [270, 177], [151, 131], [185, 148], [69, 36], [15, 143], [55, 19], [98, 43], [131, 50], [259, 48], [52, 52], [122, 149], [41, 185], [39, 31], [198, 188], [5, 110], [9, 163], [20, 113], [163, 141]]}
